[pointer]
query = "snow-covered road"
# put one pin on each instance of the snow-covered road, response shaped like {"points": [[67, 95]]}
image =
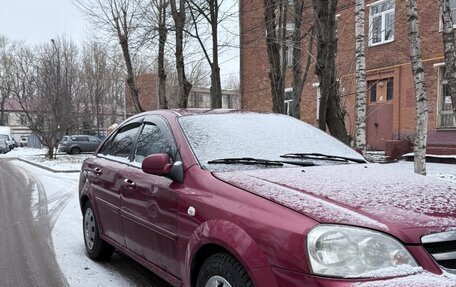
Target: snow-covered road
{"points": [[58, 194]]}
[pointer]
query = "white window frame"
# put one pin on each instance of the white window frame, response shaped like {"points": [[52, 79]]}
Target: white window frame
{"points": [[317, 88], [440, 112], [383, 28], [287, 103]]}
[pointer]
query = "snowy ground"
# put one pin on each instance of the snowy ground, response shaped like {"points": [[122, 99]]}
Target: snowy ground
{"points": [[66, 221], [62, 200]]}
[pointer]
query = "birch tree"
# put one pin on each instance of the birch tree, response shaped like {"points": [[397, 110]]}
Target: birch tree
{"points": [[449, 50], [360, 101], [420, 88]]}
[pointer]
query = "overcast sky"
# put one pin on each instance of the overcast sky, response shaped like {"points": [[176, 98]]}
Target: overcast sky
{"points": [[36, 21]]}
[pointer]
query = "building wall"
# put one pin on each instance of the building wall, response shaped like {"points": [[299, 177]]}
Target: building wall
{"points": [[147, 93], [382, 61]]}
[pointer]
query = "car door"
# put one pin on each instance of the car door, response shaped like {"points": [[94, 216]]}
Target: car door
{"points": [[109, 166], [93, 143], [149, 202]]}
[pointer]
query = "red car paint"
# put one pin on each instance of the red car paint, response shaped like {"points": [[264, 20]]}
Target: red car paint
{"points": [[165, 224]]}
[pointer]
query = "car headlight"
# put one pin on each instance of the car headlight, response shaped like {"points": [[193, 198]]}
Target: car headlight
{"points": [[353, 252]]}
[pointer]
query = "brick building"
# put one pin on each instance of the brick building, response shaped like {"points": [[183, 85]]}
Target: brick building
{"points": [[390, 95], [198, 98]]}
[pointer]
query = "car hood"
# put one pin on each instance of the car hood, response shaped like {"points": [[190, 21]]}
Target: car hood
{"points": [[376, 196]]}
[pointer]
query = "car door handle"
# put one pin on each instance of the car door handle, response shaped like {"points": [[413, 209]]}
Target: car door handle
{"points": [[97, 171], [129, 184]]}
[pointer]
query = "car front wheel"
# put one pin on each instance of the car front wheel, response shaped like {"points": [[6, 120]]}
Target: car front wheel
{"points": [[97, 248], [223, 270]]}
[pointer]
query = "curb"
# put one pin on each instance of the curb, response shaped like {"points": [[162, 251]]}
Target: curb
{"points": [[46, 167]]}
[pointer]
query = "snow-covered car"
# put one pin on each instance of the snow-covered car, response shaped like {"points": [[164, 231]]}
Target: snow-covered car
{"points": [[225, 198], [4, 148]]}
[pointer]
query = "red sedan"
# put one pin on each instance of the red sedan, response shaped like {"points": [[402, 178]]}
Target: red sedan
{"points": [[226, 198]]}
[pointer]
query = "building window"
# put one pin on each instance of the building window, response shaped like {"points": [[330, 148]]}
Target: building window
{"points": [[453, 15], [389, 89], [381, 22], [446, 115], [372, 90], [287, 101]]}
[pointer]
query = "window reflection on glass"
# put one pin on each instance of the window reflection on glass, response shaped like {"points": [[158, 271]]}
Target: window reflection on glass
{"points": [[150, 141], [123, 141]]}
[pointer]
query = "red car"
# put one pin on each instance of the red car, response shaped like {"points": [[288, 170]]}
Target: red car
{"points": [[227, 198]]}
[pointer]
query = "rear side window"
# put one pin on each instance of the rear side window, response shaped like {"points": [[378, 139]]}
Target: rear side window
{"points": [[123, 142], [150, 141]]}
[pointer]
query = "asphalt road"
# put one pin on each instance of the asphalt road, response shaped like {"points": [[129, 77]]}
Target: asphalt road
{"points": [[26, 253], [26, 248]]}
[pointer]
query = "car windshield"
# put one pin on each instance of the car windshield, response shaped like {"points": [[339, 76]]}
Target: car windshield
{"points": [[225, 141]]}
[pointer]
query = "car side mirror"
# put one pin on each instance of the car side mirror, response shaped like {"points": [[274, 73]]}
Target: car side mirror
{"points": [[157, 164]]}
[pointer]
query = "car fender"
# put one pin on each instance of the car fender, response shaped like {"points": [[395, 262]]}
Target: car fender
{"points": [[229, 236]]}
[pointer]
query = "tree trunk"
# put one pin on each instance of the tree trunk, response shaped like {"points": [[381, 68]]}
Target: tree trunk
{"points": [[450, 51], [131, 78], [299, 76], [420, 88], [360, 102], [330, 113], [179, 20], [163, 33], [216, 86], [275, 20]]}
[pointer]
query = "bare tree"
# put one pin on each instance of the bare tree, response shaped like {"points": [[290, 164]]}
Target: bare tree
{"points": [[154, 23], [178, 13], [6, 62], [300, 75], [117, 17], [45, 85], [450, 50], [275, 20], [209, 11], [94, 78], [420, 88], [330, 113], [360, 100]]}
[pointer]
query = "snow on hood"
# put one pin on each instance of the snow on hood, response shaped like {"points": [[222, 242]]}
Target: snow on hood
{"points": [[370, 195]]}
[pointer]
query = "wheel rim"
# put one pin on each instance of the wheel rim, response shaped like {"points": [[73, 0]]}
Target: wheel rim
{"points": [[217, 281], [89, 228]]}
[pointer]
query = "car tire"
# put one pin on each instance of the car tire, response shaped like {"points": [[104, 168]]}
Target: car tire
{"points": [[223, 270], [75, 150], [96, 248]]}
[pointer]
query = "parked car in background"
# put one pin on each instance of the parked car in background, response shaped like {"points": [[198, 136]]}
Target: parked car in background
{"points": [[9, 141], [4, 148], [23, 142], [224, 198], [76, 144]]}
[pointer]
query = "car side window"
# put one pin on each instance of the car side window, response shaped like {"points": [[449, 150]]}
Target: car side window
{"points": [[94, 139], [151, 140], [123, 142]]}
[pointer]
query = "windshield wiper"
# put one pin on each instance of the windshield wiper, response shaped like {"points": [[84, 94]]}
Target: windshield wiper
{"points": [[256, 161], [320, 156]]}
